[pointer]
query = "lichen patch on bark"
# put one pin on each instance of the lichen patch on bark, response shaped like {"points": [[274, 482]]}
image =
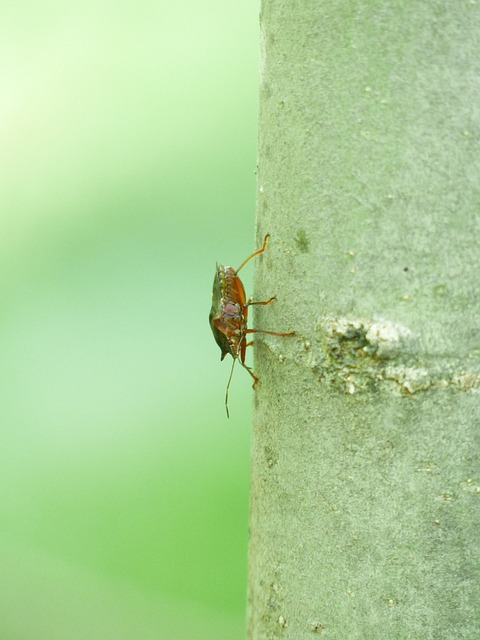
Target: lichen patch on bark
{"points": [[357, 354]]}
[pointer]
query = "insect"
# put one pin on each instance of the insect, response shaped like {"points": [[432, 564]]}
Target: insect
{"points": [[229, 314]]}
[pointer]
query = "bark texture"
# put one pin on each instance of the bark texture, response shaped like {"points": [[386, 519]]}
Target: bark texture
{"points": [[364, 490]]}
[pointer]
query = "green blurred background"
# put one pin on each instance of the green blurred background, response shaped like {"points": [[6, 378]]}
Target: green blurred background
{"points": [[127, 150]]}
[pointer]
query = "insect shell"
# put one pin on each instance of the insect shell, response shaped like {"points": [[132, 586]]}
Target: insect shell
{"points": [[229, 314]]}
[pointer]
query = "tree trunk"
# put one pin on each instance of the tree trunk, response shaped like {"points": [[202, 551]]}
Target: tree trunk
{"points": [[364, 492]]}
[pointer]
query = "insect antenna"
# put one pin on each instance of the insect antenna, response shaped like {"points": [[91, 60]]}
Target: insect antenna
{"points": [[228, 385]]}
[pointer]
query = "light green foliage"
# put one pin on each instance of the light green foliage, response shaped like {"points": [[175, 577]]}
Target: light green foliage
{"points": [[127, 136]]}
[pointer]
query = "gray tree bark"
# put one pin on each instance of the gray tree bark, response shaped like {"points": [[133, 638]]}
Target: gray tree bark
{"points": [[364, 481]]}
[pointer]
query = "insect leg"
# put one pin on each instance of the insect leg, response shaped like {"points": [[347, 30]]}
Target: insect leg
{"points": [[255, 379], [270, 333], [251, 301], [255, 253]]}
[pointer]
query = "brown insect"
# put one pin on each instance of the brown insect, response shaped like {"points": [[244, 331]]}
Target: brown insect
{"points": [[229, 314]]}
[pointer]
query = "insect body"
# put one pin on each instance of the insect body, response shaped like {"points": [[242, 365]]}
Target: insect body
{"points": [[229, 314]]}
